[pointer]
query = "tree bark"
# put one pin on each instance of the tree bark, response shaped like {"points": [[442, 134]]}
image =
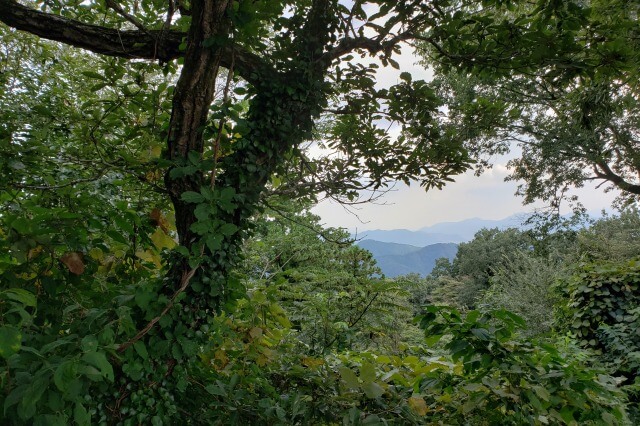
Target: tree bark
{"points": [[192, 98]]}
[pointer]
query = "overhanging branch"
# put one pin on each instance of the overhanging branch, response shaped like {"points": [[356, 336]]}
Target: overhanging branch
{"points": [[161, 45], [134, 44]]}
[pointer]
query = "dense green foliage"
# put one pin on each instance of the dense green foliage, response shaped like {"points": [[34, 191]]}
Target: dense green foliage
{"points": [[155, 270], [604, 299]]}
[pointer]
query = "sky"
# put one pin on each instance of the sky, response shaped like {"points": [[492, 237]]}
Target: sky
{"points": [[470, 196], [485, 197]]}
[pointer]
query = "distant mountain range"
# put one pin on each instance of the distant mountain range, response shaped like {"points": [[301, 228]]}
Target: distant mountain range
{"points": [[445, 232], [401, 259], [401, 251]]}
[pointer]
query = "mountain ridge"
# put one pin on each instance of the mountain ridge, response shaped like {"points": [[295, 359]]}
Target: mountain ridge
{"points": [[401, 259], [443, 232]]}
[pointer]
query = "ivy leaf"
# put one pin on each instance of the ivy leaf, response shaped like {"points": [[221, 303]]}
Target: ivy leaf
{"points": [[192, 197], [228, 229]]}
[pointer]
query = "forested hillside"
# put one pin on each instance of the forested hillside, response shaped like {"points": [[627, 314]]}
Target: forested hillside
{"points": [[402, 259], [159, 263]]}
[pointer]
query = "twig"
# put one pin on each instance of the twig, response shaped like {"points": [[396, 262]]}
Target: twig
{"points": [[120, 11], [184, 283], [100, 174], [304, 225]]}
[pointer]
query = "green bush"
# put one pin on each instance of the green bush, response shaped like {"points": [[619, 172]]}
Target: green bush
{"points": [[501, 380]]}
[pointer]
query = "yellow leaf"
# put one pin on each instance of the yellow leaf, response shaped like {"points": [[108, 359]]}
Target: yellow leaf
{"points": [[27, 275], [155, 151], [96, 254], [262, 360], [428, 368], [418, 405], [220, 359], [161, 240], [312, 362], [148, 256], [446, 398]]}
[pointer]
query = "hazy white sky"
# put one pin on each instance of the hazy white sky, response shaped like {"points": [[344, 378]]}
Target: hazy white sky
{"points": [[486, 197]]}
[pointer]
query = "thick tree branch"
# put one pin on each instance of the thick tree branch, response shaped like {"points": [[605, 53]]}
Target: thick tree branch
{"points": [[153, 44], [603, 171], [372, 45], [161, 45]]}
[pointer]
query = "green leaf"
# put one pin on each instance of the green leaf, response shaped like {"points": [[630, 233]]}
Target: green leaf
{"points": [[349, 377], [32, 395], [542, 393], [10, 341], [65, 374], [372, 390], [21, 225], [94, 75], [373, 419], [228, 229], [89, 343], [481, 333], [117, 236], [99, 360], [90, 372], [14, 397], [214, 242], [192, 197], [19, 295], [217, 389], [405, 76], [143, 298], [472, 403], [124, 224], [81, 416], [49, 347], [367, 372], [141, 349]]}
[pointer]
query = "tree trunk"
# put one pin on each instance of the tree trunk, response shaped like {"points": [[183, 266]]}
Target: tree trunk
{"points": [[193, 96]]}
